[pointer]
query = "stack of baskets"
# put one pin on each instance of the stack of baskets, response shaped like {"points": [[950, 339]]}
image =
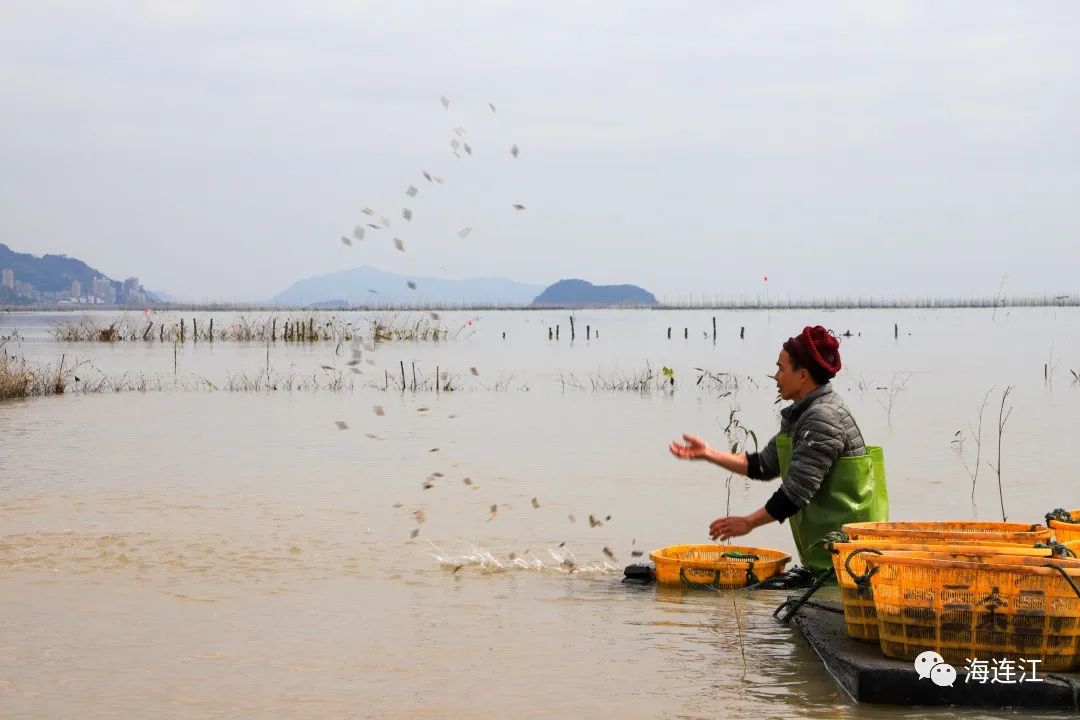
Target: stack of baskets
{"points": [[965, 590]]}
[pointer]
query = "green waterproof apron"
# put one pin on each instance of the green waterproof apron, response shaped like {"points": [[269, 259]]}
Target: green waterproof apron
{"points": [[853, 491]]}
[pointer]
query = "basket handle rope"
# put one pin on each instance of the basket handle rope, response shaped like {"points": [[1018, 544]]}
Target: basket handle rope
{"points": [[1067, 578], [1056, 548], [862, 582], [751, 578], [691, 585], [833, 536], [1061, 515]]}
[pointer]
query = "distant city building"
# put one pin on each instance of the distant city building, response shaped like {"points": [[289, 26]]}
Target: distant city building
{"points": [[7, 278], [27, 290], [101, 288], [76, 289]]}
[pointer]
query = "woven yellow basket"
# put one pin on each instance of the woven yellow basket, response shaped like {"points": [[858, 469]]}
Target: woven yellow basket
{"points": [[937, 533], [716, 566], [858, 601], [1006, 607]]}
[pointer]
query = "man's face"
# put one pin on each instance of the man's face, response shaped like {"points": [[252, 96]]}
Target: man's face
{"points": [[789, 383]]}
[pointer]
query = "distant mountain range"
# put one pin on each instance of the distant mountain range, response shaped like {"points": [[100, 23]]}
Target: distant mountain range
{"points": [[368, 285], [580, 292], [26, 279], [61, 280]]}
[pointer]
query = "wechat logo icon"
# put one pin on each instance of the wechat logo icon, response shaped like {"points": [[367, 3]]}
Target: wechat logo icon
{"points": [[931, 665]]}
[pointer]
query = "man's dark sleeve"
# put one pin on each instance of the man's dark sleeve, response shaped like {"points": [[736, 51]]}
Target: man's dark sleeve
{"points": [[780, 507], [764, 465]]}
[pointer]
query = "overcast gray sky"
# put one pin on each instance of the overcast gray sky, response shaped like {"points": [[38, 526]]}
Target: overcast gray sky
{"points": [[219, 150]]}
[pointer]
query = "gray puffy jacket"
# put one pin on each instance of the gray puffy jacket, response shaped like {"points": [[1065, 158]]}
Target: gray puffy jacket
{"points": [[822, 429]]}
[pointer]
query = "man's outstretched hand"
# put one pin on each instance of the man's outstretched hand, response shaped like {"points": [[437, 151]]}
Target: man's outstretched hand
{"points": [[729, 527], [693, 448]]}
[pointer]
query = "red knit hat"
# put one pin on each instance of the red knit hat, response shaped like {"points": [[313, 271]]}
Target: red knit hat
{"points": [[816, 350]]}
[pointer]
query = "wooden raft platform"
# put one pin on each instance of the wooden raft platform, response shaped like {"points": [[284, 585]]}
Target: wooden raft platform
{"points": [[867, 676]]}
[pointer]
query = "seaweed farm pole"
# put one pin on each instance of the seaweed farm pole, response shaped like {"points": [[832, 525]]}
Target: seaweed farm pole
{"points": [[211, 329], [194, 331], [386, 380], [571, 328], [714, 328], [414, 376], [588, 331], [896, 331], [437, 380], [181, 329], [161, 329], [402, 375], [148, 329], [311, 330], [742, 332], [556, 332], [273, 330], [669, 333], [550, 334], [685, 333]]}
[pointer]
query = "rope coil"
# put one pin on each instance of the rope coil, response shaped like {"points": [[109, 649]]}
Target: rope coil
{"points": [[1056, 548], [1061, 515]]}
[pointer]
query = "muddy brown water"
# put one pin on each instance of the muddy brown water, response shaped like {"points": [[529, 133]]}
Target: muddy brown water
{"points": [[219, 554]]}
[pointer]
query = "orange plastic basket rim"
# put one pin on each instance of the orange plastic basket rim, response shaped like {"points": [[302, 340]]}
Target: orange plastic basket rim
{"points": [[944, 546], [668, 555], [1070, 566], [951, 526]]}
